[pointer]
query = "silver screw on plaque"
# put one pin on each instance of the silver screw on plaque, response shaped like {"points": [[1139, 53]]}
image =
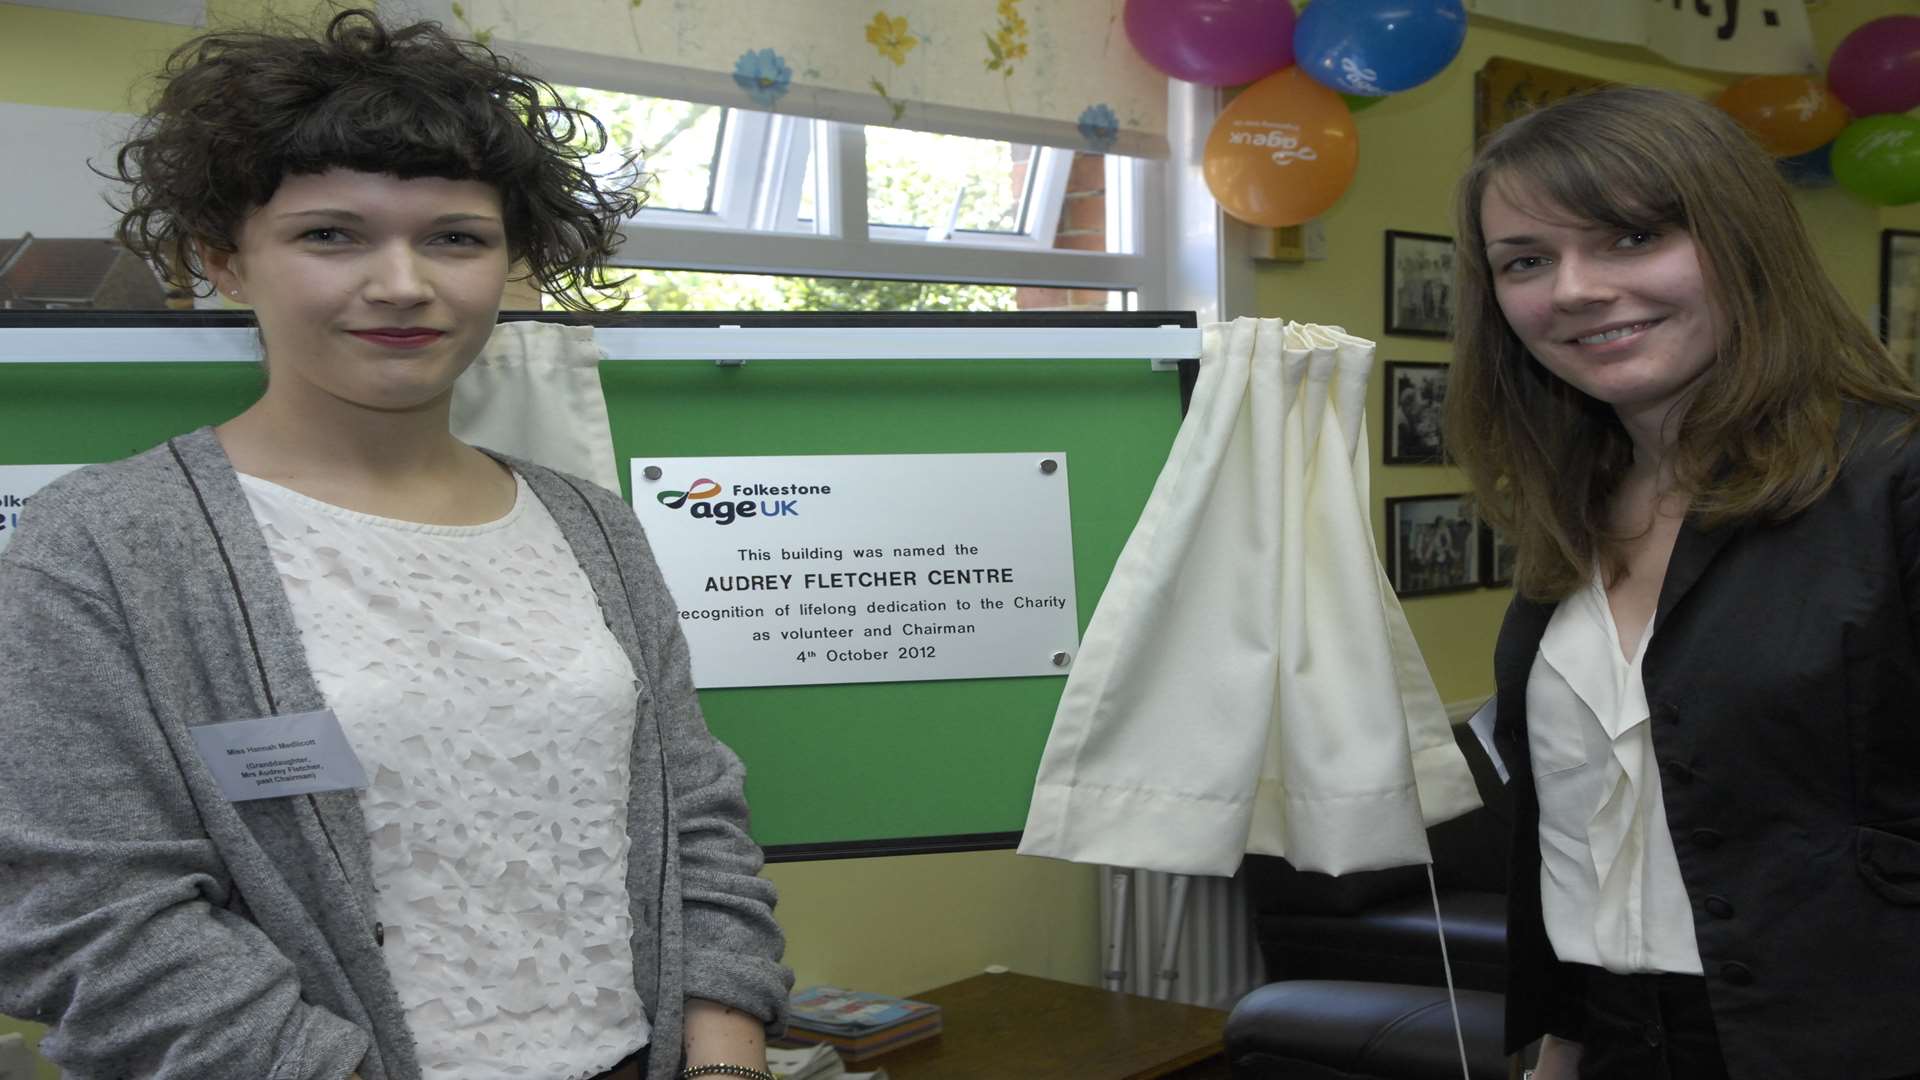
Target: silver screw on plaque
{"points": [[1060, 659], [1049, 466], [652, 472]]}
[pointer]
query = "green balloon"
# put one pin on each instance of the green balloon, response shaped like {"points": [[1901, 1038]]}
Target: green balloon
{"points": [[1878, 159], [1360, 102]]}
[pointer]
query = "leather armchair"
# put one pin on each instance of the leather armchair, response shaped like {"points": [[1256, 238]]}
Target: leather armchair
{"points": [[1378, 926], [1358, 988]]}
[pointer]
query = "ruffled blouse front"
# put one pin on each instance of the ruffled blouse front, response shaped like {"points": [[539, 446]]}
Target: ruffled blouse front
{"points": [[1610, 885]]}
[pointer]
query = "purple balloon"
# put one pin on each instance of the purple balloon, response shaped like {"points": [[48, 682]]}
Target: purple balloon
{"points": [[1216, 42], [1876, 69]]}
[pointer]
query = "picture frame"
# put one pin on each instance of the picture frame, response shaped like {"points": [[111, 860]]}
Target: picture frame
{"points": [[1433, 544], [1496, 558], [1505, 89], [1416, 393], [1418, 298], [1900, 296]]}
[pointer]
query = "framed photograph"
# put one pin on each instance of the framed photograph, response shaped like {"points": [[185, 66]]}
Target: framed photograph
{"points": [[1419, 284], [1416, 405], [1433, 544], [1496, 558], [1506, 89], [1900, 295]]}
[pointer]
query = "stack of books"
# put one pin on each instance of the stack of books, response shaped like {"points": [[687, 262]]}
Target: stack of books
{"points": [[816, 1062], [858, 1025]]}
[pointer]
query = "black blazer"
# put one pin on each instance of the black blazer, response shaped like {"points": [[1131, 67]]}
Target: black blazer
{"points": [[1784, 681]]}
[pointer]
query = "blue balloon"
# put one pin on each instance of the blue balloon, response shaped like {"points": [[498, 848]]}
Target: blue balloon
{"points": [[1378, 47], [1813, 169]]}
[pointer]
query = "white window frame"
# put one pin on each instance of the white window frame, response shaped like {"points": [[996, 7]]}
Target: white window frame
{"points": [[754, 228], [743, 150]]}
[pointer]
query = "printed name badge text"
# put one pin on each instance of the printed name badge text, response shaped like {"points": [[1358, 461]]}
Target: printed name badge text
{"points": [[275, 756]]}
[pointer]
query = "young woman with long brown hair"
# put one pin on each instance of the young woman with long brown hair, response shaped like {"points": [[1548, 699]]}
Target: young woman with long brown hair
{"points": [[1708, 681]]}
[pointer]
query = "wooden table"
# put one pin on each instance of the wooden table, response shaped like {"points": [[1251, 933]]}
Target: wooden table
{"points": [[1019, 1027]]}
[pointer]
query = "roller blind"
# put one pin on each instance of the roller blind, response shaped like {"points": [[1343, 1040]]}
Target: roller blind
{"points": [[1026, 71]]}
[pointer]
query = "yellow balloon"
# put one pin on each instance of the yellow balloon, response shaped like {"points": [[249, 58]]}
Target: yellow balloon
{"points": [[1282, 152]]}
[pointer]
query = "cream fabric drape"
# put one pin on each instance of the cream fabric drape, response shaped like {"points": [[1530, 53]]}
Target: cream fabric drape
{"points": [[534, 392], [1248, 682]]}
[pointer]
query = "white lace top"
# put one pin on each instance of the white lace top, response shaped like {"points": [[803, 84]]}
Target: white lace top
{"points": [[492, 709]]}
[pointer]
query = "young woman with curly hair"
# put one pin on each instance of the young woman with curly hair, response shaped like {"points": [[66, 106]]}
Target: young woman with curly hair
{"points": [[547, 871], [1706, 687]]}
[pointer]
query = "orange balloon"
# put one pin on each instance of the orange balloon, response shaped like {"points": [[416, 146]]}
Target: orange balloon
{"points": [[1787, 114], [1281, 152]]}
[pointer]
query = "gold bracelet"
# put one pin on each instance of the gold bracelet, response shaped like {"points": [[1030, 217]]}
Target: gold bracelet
{"points": [[692, 1072]]}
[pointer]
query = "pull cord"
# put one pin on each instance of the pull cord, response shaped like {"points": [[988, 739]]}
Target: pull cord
{"points": [[1453, 1002]]}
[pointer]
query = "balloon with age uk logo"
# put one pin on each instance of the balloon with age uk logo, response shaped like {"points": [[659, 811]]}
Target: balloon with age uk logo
{"points": [[1878, 159], [1377, 47], [1281, 152], [1788, 115], [1215, 42]]}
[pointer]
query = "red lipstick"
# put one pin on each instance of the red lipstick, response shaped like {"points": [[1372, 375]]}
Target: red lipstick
{"points": [[400, 337]]}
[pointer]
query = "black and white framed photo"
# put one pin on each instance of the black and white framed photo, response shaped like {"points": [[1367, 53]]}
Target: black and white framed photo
{"points": [[1433, 544], [1419, 284], [1416, 404], [1496, 558], [1900, 296]]}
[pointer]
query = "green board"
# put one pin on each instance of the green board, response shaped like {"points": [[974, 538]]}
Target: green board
{"points": [[832, 770], [830, 767]]}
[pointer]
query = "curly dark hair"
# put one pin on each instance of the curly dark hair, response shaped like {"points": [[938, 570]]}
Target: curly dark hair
{"points": [[236, 113]]}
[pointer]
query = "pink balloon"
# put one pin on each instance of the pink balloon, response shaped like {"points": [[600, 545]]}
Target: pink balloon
{"points": [[1876, 69], [1216, 42]]}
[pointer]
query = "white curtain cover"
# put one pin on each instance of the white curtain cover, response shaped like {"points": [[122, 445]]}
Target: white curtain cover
{"points": [[1248, 682], [534, 392]]}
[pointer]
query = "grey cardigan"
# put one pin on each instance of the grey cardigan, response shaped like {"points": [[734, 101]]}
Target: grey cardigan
{"points": [[164, 932]]}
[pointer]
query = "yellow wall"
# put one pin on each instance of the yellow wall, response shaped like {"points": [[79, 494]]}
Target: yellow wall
{"points": [[96, 62], [79, 61], [899, 925], [1412, 146]]}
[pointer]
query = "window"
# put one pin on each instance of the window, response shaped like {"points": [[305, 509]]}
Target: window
{"points": [[779, 212], [700, 290]]}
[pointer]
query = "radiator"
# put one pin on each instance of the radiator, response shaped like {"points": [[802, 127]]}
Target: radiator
{"points": [[1216, 962]]}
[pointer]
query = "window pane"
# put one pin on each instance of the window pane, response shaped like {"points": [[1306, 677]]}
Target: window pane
{"points": [[805, 212], [678, 142], [694, 290], [915, 177]]}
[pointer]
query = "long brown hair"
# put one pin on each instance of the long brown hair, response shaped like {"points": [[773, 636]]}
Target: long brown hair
{"points": [[1759, 440]]}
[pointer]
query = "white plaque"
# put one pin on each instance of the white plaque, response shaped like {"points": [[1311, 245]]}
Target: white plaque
{"points": [[16, 483], [865, 568]]}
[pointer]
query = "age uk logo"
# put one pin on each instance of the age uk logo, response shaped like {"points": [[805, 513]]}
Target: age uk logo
{"points": [[702, 488], [701, 502]]}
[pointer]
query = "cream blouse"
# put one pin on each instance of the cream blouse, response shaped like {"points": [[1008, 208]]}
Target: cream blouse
{"points": [[1610, 886], [492, 708]]}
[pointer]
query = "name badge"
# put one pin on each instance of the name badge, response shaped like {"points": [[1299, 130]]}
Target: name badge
{"points": [[274, 756]]}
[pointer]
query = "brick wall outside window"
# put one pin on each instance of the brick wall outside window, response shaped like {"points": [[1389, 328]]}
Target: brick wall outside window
{"points": [[1083, 227]]}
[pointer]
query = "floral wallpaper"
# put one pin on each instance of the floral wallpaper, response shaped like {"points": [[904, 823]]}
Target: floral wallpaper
{"points": [[1054, 72]]}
